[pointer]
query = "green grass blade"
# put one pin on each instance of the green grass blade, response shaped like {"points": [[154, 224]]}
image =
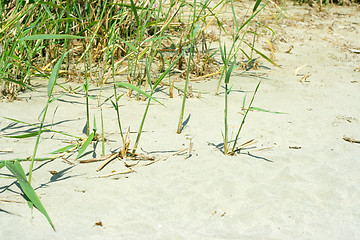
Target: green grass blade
{"points": [[13, 19], [229, 71], [54, 75], [85, 145], [244, 118], [114, 105], [2, 164], [64, 149], [128, 85], [229, 90], [55, 99], [27, 135], [262, 55], [92, 97], [265, 110], [244, 101], [163, 75], [256, 5], [133, 9], [234, 16], [16, 169], [50, 36], [253, 15]]}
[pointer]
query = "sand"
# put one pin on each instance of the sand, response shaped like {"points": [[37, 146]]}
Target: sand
{"points": [[305, 186]]}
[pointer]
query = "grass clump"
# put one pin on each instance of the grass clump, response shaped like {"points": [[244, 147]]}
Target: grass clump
{"points": [[146, 42]]}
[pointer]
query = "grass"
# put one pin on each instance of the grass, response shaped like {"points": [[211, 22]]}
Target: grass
{"points": [[14, 166], [147, 41]]}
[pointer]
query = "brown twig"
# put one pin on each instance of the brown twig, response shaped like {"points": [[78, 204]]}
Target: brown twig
{"points": [[108, 161], [113, 174], [12, 201], [6, 150], [102, 158], [350, 139]]}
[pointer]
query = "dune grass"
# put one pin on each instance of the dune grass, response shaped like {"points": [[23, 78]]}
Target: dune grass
{"points": [[98, 41]]}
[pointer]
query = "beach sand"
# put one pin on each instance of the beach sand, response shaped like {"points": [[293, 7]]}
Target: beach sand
{"points": [[298, 180]]}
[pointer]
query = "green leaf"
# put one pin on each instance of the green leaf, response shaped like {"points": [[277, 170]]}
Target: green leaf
{"points": [[27, 135], [50, 36], [43, 111], [256, 5], [14, 18], [114, 105], [265, 110], [2, 164], [92, 97], [163, 75], [54, 74], [229, 90], [194, 32], [262, 55], [118, 98], [234, 16], [18, 172], [85, 145], [244, 100], [128, 85], [244, 117], [223, 52], [252, 15], [64, 149], [229, 71], [246, 55], [133, 9], [55, 99], [49, 12], [85, 86]]}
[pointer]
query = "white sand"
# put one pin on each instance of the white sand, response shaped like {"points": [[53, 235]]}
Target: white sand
{"points": [[282, 193]]}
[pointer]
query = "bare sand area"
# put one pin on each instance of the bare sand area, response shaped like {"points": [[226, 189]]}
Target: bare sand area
{"points": [[299, 180]]}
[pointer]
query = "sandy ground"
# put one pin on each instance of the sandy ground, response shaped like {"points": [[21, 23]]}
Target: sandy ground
{"points": [[305, 187]]}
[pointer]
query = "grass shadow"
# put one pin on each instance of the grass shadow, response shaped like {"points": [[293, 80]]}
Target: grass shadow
{"points": [[185, 122], [220, 147], [19, 129], [7, 212]]}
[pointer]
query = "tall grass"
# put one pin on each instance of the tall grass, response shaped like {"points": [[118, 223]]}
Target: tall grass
{"points": [[229, 59], [144, 40], [190, 36], [14, 166]]}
